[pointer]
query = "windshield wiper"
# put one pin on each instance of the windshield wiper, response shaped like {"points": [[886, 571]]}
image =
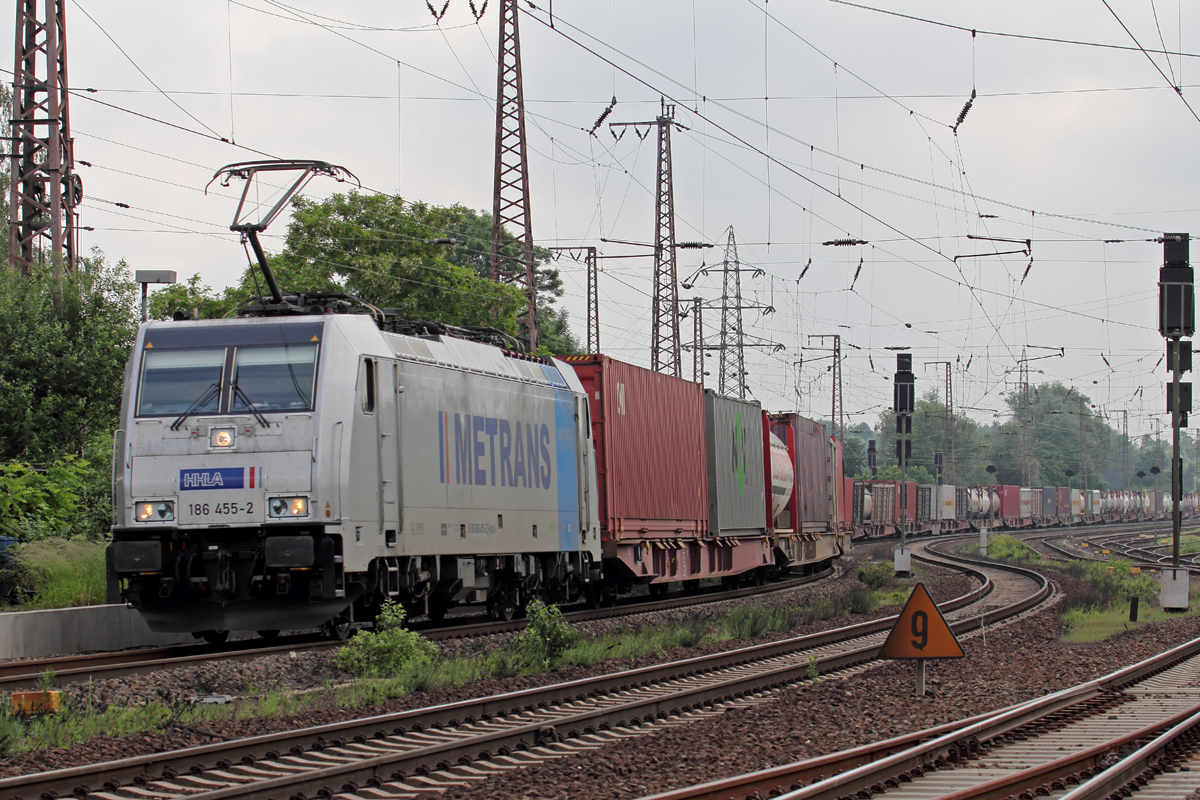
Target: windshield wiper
{"points": [[237, 391], [200, 401]]}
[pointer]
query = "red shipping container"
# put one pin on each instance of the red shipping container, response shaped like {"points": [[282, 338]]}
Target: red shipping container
{"points": [[910, 509], [1064, 502], [846, 503], [807, 442], [648, 436]]}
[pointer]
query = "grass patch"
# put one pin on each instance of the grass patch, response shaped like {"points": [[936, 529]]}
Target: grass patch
{"points": [[1097, 624], [1098, 605], [59, 573]]}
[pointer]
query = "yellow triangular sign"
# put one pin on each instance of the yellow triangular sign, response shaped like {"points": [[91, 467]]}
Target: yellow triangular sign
{"points": [[314, 339], [921, 631]]}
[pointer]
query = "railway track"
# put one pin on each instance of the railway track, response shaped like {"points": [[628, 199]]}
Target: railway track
{"points": [[18, 675], [411, 752], [1137, 729]]}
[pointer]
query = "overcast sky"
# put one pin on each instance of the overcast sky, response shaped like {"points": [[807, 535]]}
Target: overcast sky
{"points": [[805, 122]]}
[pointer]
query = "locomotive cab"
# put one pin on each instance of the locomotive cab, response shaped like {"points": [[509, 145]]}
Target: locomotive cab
{"points": [[216, 517]]}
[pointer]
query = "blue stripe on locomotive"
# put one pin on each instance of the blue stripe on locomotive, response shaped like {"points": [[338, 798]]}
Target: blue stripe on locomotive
{"points": [[565, 447]]}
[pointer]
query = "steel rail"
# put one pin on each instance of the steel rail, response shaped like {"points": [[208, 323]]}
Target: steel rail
{"points": [[140, 768], [1140, 767], [393, 766], [871, 767], [16, 675]]}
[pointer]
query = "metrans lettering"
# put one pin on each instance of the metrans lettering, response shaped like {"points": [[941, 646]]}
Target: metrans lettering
{"points": [[218, 478], [486, 451]]}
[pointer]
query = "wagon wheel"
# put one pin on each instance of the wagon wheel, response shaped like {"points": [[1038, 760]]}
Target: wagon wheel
{"points": [[214, 637]]}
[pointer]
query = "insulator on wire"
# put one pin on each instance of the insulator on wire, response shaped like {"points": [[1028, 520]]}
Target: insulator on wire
{"points": [[804, 271], [478, 15], [963, 114], [1027, 268], [860, 265], [434, 11], [604, 116]]}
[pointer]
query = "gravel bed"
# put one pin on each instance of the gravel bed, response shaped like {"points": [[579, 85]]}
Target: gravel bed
{"points": [[1019, 661], [309, 670]]}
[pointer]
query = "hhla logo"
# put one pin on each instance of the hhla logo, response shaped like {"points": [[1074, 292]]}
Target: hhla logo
{"points": [[739, 452]]}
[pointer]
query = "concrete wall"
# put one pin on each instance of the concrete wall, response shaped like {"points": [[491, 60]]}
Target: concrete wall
{"points": [[66, 631]]}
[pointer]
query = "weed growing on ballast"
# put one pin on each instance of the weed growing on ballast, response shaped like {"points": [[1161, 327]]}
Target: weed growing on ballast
{"points": [[547, 636], [386, 650]]}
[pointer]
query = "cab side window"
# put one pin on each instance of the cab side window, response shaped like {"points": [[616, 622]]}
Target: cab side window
{"points": [[368, 386]]}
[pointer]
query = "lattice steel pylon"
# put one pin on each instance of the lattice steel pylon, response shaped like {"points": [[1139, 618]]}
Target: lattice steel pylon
{"points": [[838, 421], [665, 355], [732, 374], [948, 423], [1125, 449], [1026, 423], [44, 191], [510, 198], [664, 312]]}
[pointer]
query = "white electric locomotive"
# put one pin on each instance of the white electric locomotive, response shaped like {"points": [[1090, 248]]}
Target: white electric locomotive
{"points": [[273, 472]]}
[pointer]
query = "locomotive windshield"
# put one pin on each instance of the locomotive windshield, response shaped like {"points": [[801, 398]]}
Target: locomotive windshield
{"points": [[274, 378], [229, 369], [173, 380]]}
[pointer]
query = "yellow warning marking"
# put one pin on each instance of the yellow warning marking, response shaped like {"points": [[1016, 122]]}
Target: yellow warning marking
{"points": [[149, 345], [314, 339], [921, 631]]}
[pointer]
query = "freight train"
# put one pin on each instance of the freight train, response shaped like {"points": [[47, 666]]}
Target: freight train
{"points": [[298, 468], [875, 507]]}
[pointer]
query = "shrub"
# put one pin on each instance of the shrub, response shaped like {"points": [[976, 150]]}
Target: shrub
{"points": [[1102, 587], [386, 650], [547, 636], [1006, 548], [857, 601], [876, 576], [59, 573]]}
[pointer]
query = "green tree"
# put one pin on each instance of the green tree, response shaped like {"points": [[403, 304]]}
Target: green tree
{"points": [[914, 474], [62, 375], [1065, 434], [386, 251], [854, 456]]}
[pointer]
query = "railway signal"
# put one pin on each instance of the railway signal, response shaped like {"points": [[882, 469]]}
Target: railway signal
{"points": [[921, 632], [1176, 320]]}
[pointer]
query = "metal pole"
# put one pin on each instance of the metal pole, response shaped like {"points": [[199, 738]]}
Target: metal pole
{"points": [[145, 308], [920, 677], [1176, 464], [903, 477]]}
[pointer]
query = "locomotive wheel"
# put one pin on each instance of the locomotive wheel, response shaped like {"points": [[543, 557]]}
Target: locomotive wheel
{"points": [[214, 637], [594, 597], [338, 628], [504, 608], [269, 635]]}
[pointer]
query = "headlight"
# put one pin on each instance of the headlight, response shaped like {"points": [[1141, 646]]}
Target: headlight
{"points": [[221, 437], [289, 507], [156, 511]]}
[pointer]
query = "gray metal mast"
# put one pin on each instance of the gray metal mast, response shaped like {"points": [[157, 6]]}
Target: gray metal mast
{"points": [[733, 352]]}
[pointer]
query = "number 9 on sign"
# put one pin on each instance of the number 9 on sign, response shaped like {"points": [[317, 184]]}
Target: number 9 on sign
{"points": [[920, 629]]}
